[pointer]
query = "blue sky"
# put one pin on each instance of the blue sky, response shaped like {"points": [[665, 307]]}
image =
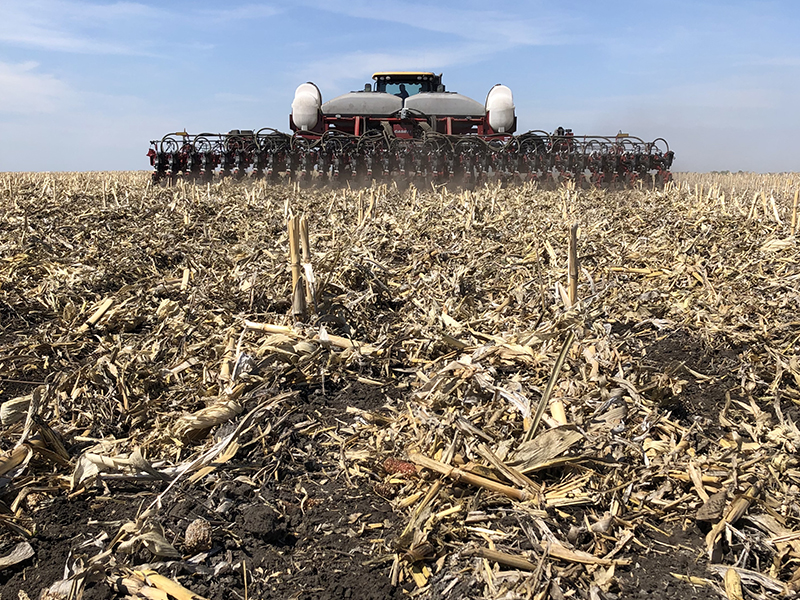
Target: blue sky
{"points": [[86, 85]]}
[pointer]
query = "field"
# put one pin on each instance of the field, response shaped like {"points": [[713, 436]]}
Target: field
{"points": [[463, 410]]}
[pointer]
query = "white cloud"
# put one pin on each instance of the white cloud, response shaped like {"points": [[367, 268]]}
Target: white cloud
{"points": [[230, 97], [774, 61], [727, 123], [448, 35], [24, 91], [246, 12], [503, 29], [66, 26], [120, 28], [330, 73]]}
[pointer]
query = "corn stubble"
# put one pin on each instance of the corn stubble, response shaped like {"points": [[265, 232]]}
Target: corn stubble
{"points": [[583, 371]]}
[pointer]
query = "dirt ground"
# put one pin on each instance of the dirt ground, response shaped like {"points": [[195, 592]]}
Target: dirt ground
{"points": [[299, 529], [287, 548], [299, 532], [445, 305]]}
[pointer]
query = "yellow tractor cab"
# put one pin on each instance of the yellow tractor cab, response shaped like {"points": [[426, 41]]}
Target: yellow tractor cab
{"points": [[407, 83]]}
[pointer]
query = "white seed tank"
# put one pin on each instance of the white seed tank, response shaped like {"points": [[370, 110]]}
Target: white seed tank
{"points": [[500, 108], [306, 105]]}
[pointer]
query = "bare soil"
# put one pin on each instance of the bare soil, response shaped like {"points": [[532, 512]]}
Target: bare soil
{"points": [[316, 548], [686, 322]]}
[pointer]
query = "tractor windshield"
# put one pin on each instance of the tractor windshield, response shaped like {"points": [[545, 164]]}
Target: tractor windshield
{"points": [[403, 85], [401, 90]]}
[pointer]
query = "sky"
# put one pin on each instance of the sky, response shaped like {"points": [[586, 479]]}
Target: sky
{"points": [[85, 85]]}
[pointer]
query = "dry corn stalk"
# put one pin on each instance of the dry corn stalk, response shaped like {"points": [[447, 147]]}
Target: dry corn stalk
{"points": [[560, 552], [13, 459], [554, 374], [572, 264], [503, 558], [97, 315], [733, 585], [195, 425], [472, 479], [308, 271], [298, 299], [166, 585], [323, 337], [14, 410], [735, 511]]}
